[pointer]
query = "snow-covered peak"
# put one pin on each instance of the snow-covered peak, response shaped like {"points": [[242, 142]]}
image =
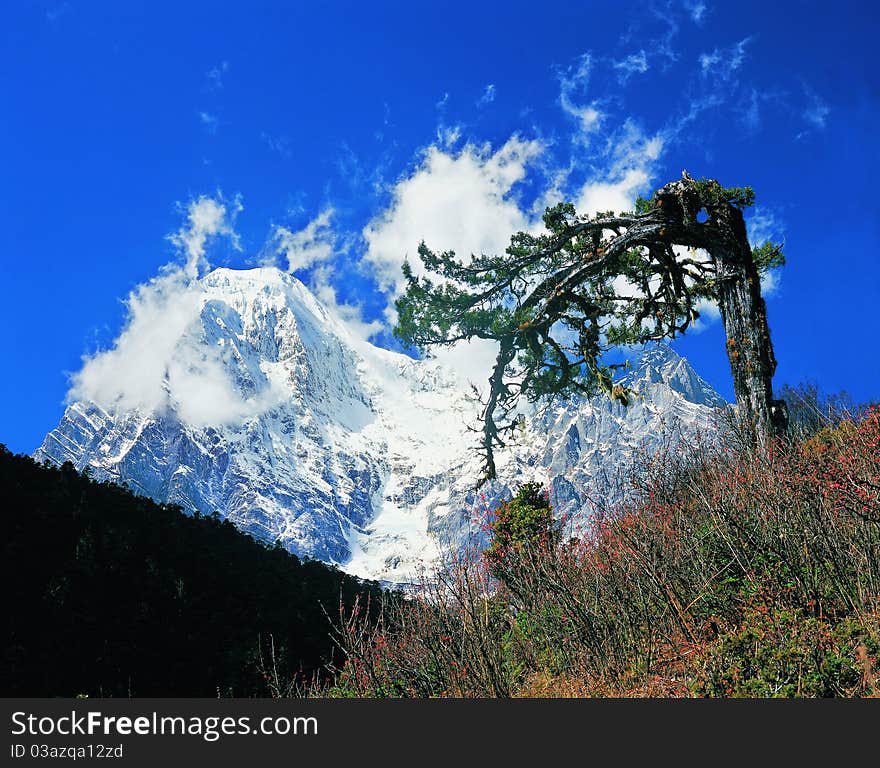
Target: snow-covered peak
{"points": [[660, 363], [266, 285], [276, 417]]}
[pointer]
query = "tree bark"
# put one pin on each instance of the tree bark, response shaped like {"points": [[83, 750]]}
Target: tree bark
{"points": [[744, 315]]}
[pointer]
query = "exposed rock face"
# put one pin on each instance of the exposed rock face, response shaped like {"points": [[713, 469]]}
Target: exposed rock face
{"points": [[353, 454]]}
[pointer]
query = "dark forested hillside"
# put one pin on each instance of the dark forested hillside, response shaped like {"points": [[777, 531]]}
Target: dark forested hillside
{"points": [[107, 593]]}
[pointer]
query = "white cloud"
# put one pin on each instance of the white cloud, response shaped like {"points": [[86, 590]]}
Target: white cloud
{"points": [[206, 217], [453, 201], [470, 361], [696, 107], [554, 191], [448, 135], [134, 372], [709, 315], [209, 121], [696, 9], [350, 315], [575, 81], [463, 200], [215, 76], [635, 63], [629, 148], [612, 196], [315, 248], [751, 115], [488, 96], [459, 196], [817, 113], [724, 63], [160, 361], [664, 45], [313, 244], [626, 171], [762, 226], [709, 60]]}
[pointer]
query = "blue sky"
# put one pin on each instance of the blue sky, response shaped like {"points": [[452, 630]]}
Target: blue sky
{"points": [[335, 135]]}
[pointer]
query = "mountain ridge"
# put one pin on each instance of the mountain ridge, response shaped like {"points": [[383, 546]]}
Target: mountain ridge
{"points": [[344, 451]]}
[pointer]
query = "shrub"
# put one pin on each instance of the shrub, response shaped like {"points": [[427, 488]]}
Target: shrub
{"points": [[521, 529], [726, 573]]}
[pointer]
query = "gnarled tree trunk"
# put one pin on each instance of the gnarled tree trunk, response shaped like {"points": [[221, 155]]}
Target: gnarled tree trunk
{"points": [[738, 291], [744, 314]]}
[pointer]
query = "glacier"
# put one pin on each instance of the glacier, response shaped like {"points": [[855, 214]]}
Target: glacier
{"points": [[356, 455]]}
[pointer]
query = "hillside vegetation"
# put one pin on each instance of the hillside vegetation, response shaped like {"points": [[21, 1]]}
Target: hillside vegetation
{"points": [[728, 573], [108, 593]]}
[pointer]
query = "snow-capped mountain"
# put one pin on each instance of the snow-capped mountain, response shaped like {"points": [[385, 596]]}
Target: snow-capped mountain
{"points": [[350, 453]]}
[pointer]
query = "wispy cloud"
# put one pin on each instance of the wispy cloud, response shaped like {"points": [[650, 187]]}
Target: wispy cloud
{"points": [[697, 10], [206, 217], [280, 145], [386, 122], [751, 114], [308, 246], [574, 83], [724, 62], [351, 316], [815, 115], [448, 135], [487, 97], [635, 63], [209, 121], [763, 225], [315, 253], [623, 170], [358, 175], [663, 46], [215, 75], [467, 197], [753, 104]]}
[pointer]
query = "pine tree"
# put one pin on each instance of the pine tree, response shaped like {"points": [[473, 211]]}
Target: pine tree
{"points": [[555, 303], [523, 530]]}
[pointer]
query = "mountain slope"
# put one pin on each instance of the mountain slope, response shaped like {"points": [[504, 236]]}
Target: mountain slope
{"points": [[110, 594], [346, 452]]}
